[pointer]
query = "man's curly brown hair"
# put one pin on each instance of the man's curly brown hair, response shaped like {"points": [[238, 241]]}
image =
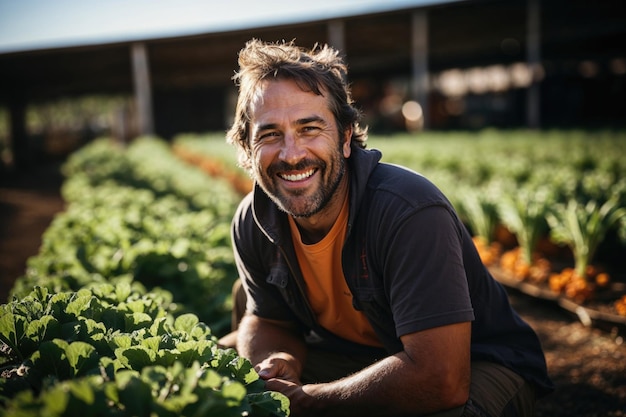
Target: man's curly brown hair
{"points": [[319, 70]]}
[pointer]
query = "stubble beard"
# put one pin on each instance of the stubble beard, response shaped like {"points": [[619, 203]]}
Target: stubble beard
{"points": [[295, 203]]}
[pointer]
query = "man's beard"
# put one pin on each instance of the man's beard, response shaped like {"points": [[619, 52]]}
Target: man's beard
{"points": [[294, 203]]}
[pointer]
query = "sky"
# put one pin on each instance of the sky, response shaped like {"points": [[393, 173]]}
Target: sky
{"points": [[40, 24]]}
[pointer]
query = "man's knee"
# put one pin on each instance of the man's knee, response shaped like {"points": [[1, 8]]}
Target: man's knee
{"points": [[496, 391]]}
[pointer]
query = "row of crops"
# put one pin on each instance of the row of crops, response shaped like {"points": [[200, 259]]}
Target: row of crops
{"points": [[119, 313], [564, 188], [568, 188]]}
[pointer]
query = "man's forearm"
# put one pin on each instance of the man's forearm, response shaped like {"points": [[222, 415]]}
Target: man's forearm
{"points": [[393, 386], [259, 339], [431, 374]]}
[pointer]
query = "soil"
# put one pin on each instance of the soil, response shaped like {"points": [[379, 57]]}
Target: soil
{"points": [[587, 364], [28, 202]]}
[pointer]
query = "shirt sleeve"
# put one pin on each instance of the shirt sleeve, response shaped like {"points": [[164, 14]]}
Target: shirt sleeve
{"points": [[255, 268], [423, 271]]}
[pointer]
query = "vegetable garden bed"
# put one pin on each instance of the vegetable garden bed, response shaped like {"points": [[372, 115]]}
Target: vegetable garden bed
{"points": [[119, 312], [598, 313], [559, 199], [142, 219]]}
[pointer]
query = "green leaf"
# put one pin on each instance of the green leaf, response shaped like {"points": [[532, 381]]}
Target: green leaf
{"points": [[180, 248], [136, 306], [151, 343], [84, 392], [45, 328], [113, 319], [111, 393], [56, 400], [121, 341], [186, 322], [51, 359], [109, 366], [135, 357], [242, 370], [10, 326], [93, 327], [82, 357], [57, 305], [78, 306], [234, 390], [221, 360], [269, 404], [200, 332], [40, 293], [136, 321], [210, 379], [134, 394], [167, 357], [122, 291], [158, 327]]}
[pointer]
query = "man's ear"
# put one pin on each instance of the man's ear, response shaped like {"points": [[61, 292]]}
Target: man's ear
{"points": [[347, 141]]}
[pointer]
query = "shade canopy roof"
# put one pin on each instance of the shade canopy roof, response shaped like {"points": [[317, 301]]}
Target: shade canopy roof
{"points": [[28, 25]]}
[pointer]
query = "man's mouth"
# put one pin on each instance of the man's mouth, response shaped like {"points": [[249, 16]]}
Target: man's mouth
{"points": [[297, 177]]}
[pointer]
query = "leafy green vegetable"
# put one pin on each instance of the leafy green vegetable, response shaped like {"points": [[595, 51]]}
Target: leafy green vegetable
{"points": [[582, 227], [151, 364]]}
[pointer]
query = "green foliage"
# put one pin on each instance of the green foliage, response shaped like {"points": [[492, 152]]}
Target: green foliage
{"points": [[524, 213], [582, 227], [109, 319], [114, 351], [138, 213], [527, 174], [478, 207]]}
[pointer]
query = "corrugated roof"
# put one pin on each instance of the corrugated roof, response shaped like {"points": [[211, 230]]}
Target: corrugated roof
{"points": [[27, 25]]}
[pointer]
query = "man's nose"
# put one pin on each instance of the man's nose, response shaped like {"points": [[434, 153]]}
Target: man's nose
{"points": [[292, 150]]}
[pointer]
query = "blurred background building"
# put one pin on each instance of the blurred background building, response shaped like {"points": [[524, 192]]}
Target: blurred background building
{"points": [[414, 65]]}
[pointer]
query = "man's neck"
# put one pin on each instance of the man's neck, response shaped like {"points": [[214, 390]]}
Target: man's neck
{"points": [[314, 228]]}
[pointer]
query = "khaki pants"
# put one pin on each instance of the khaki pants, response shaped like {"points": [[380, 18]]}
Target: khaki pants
{"points": [[495, 390]]}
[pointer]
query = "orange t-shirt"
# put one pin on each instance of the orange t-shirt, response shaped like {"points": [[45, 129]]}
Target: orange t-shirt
{"points": [[327, 290]]}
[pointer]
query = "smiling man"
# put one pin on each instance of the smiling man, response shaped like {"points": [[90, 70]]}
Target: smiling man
{"points": [[365, 294], [299, 154]]}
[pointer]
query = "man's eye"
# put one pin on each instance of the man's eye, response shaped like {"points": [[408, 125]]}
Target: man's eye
{"points": [[268, 135], [307, 130]]}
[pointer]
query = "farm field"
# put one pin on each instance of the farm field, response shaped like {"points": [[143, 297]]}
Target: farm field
{"points": [[547, 209], [587, 364]]}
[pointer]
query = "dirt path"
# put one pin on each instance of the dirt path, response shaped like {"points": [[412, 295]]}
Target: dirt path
{"points": [[28, 202], [587, 365]]}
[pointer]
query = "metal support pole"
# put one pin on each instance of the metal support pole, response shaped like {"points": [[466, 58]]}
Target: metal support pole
{"points": [[143, 90], [20, 142], [420, 84], [533, 53], [336, 35]]}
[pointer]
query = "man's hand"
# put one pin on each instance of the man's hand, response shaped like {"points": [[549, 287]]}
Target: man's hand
{"points": [[275, 347], [280, 366]]}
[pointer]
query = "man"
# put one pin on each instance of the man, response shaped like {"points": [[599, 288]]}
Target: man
{"points": [[365, 294]]}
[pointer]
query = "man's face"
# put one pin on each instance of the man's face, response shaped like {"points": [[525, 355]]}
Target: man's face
{"points": [[298, 156]]}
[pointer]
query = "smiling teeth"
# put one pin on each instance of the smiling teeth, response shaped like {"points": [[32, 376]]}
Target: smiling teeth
{"points": [[298, 177]]}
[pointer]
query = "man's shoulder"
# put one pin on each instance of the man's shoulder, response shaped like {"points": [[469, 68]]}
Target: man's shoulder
{"points": [[244, 209], [243, 219], [257, 218], [395, 181]]}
